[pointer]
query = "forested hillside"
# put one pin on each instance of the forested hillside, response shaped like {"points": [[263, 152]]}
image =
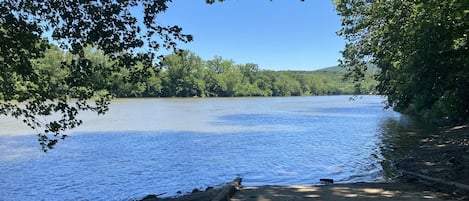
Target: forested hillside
{"points": [[187, 75]]}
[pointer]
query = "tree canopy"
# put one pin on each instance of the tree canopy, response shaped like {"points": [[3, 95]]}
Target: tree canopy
{"points": [[420, 48]]}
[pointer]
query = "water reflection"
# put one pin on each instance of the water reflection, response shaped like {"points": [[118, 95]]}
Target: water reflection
{"points": [[398, 137]]}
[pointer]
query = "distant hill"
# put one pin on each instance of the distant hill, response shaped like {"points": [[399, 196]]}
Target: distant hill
{"points": [[331, 69], [327, 70], [337, 69]]}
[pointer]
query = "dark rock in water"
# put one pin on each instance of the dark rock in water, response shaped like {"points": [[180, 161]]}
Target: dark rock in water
{"points": [[327, 181], [179, 192], [153, 197], [213, 194], [453, 160]]}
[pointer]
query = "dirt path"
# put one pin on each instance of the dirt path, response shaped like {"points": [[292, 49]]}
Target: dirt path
{"points": [[338, 192]]}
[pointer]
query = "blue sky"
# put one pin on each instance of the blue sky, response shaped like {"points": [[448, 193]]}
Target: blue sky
{"points": [[276, 35]]}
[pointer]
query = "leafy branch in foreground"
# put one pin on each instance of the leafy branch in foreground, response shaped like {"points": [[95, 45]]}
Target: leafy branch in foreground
{"points": [[29, 90]]}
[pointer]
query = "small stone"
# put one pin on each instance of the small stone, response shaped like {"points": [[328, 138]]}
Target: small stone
{"points": [[452, 160]]}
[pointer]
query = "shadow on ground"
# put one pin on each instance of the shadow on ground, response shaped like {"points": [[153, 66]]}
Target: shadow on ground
{"points": [[338, 192]]}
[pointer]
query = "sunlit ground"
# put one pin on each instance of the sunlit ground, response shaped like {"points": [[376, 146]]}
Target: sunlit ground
{"points": [[360, 191]]}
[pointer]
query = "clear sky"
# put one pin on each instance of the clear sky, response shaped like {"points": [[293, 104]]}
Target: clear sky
{"points": [[276, 35]]}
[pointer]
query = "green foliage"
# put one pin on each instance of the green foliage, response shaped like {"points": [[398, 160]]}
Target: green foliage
{"points": [[32, 87], [185, 74], [420, 48]]}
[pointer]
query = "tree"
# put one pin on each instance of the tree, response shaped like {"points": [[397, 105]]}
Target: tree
{"points": [[185, 74], [264, 82], [212, 76], [154, 87], [109, 26], [285, 85], [420, 48], [230, 79]]}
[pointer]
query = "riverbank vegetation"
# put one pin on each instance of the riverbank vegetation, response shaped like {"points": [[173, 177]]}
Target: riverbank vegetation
{"points": [[184, 74], [421, 49]]}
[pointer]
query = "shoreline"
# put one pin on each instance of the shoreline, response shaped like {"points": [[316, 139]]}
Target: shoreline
{"points": [[349, 191], [436, 169], [338, 192]]}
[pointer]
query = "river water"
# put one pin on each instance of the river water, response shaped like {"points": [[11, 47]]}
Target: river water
{"points": [[153, 146]]}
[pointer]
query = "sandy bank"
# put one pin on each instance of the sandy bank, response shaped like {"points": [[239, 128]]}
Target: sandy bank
{"points": [[338, 192]]}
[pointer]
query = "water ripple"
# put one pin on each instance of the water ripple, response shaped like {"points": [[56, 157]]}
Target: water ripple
{"points": [[286, 141]]}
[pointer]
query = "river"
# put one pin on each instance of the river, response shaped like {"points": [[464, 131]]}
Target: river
{"points": [[153, 146]]}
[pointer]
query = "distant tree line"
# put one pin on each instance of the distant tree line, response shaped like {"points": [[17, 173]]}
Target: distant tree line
{"points": [[184, 74]]}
